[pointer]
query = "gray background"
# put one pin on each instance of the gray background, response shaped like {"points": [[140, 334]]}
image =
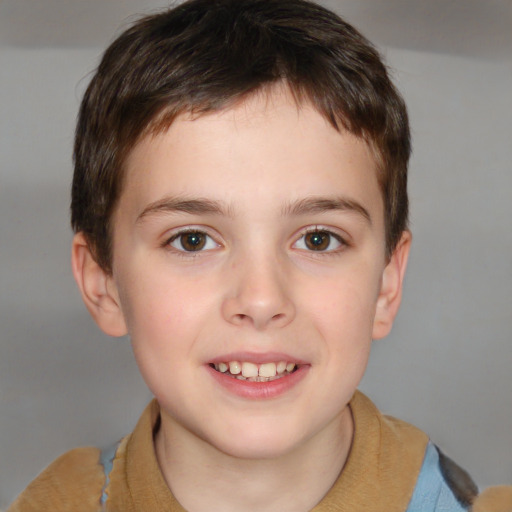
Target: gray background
{"points": [[447, 365]]}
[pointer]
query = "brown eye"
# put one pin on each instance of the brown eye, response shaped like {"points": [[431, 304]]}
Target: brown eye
{"points": [[317, 240], [320, 240], [190, 241]]}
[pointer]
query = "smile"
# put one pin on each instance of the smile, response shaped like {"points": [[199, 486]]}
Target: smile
{"points": [[252, 372]]}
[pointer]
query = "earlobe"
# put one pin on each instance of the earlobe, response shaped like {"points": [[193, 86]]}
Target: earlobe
{"points": [[97, 287], [390, 294]]}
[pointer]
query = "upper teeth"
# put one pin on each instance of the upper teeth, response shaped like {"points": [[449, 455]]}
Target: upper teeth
{"points": [[248, 370]]}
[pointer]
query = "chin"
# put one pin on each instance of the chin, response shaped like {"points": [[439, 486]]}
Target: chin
{"points": [[262, 451], [258, 443]]}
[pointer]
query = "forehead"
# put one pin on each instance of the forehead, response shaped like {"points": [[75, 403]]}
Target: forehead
{"points": [[268, 149]]}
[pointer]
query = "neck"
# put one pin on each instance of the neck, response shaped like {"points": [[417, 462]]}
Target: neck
{"points": [[293, 482]]}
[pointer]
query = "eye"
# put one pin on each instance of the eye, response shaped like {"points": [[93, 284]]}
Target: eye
{"points": [[192, 241], [319, 240]]}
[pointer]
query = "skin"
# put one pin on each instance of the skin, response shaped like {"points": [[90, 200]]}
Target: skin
{"points": [[249, 178]]}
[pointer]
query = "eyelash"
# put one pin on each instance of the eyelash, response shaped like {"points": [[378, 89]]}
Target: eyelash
{"points": [[208, 239], [343, 244], [182, 251]]}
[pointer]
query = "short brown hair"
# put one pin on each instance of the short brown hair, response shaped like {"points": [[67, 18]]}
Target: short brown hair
{"points": [[202, 56]]}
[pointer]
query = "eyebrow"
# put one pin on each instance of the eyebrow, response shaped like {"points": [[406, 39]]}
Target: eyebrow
{"points": [[325, 204], [203, 206], [199, 206]]}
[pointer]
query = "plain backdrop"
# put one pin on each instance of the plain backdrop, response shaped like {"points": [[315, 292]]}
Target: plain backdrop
{"points": [[446, 367]]}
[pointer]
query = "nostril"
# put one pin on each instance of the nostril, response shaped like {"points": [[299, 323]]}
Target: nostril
{"points": [[241, 318], [259, 311]]}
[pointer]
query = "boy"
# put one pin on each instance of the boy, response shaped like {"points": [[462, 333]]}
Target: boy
{"points": [[240, 209]]}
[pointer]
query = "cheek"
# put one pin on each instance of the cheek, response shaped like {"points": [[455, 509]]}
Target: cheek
{"points": [[160, 306], [345, 303], [163, 329]]}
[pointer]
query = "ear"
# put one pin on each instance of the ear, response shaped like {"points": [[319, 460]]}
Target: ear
{"points": [[98, 288], [390, 294]]}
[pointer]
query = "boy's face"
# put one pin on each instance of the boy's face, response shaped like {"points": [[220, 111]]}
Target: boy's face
{"points": [[252, 235]]}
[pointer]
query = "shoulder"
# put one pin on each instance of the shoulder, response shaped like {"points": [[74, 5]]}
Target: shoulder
{"points": [[72, 483], [453, 488], [442, 485], [413, 470]]}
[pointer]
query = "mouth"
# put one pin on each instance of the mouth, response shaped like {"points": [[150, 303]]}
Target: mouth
{"points": [[252, 372]]}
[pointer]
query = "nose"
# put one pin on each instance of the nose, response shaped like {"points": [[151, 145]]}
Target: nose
{"points": [[258, 295]]}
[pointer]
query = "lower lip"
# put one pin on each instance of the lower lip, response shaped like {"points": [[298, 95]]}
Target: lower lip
{"points": [[259, 390]]}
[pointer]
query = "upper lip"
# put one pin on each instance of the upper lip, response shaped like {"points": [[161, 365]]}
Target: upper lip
{"points": [[257, 358]]}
